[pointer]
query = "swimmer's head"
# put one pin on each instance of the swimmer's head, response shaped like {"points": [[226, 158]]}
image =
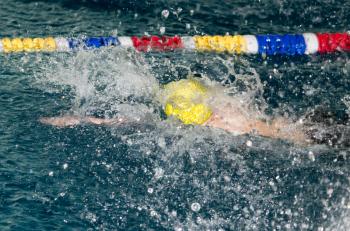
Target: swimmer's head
{"points": [[186, 100]]}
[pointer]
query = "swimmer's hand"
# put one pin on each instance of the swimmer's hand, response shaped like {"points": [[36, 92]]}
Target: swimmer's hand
{"points": [[70, 121]]}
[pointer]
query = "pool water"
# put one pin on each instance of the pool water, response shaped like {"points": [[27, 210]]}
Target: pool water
{"points": [[160, 175]]}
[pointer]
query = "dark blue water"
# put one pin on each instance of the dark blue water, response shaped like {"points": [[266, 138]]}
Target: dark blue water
{"points": [[159, 175]]}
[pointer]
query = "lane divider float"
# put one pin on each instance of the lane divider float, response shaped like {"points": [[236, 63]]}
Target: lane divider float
{"points": [[288, 44]]}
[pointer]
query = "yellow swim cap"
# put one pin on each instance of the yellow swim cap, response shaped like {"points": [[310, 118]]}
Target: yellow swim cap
{"points": [[185, 100]]}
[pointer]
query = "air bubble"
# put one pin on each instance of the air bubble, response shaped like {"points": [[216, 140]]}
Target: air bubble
{"points": [[195, 207]]}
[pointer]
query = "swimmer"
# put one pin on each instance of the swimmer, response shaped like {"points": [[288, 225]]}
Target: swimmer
{"points": [[193, 103]]}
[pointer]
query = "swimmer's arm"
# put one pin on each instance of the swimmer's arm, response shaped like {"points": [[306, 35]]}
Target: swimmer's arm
{"points": [[279, 128], [70, 121]]}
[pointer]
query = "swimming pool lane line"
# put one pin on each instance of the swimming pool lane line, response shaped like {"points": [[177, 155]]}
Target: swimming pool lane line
{"points": [[270, 44]]}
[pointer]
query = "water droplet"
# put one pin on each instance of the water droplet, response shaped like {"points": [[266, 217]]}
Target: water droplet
{"points": [[159, 172], [150, 190], [65, 166], [51, 173], [165, 13], [227, 178], [249, 143], [173, 213], [311, 156], [153, 213], [273, 186], [161, 142], [195, 207], [329, 192], [91, 217]]}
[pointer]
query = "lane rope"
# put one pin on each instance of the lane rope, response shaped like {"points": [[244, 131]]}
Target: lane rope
{"points": [[288, 44]]}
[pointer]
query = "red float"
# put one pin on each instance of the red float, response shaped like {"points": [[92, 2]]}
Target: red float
{"points": [[155, 43], [333, 42]]}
